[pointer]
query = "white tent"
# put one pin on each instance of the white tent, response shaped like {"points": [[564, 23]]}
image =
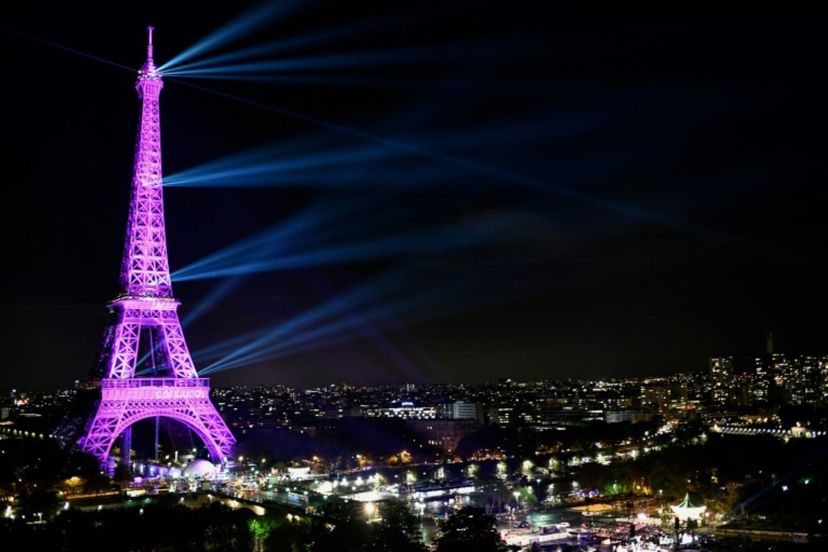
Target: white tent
{"points": [[686, 509]]}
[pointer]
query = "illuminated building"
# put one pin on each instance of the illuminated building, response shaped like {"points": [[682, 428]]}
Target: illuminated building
{"points": [[627, 415], [459, 410], [722, 380], [406, 410], [146, 307], [503, 416]]}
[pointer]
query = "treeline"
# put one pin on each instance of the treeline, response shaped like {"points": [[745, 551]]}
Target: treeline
{"points": [[382, 437], [734, 474], [157, 528], [338, 527]]}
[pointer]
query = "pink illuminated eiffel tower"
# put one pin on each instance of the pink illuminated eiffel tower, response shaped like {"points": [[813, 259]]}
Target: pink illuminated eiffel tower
{"points": [[146, 305]]}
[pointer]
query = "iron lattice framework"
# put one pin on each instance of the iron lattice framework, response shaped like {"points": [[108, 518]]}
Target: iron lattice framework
{"points": [[146, 304]]}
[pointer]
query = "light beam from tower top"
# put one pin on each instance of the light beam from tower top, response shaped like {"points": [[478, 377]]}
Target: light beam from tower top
{"points": [[148, 70]]}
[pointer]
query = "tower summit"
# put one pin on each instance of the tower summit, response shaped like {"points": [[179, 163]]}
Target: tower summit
{"points": [[149, 65], [145, 306], [145, 270]]}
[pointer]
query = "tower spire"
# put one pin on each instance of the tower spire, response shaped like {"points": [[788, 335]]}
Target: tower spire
{"points": [[145, 270], [149, 43], [149, 70]]}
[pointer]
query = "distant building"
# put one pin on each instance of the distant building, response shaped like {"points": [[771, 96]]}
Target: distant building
{"points": [[631, 415], [798, 380], [653, 396], [762, 381], [553, 418], [678, 393], [808, 390], [406, 410], [459, 410], [443, 434], [722, 380], [823, 376], [503, 416]]}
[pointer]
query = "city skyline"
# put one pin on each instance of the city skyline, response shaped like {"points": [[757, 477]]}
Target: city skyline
{"points": [[670, 218]]}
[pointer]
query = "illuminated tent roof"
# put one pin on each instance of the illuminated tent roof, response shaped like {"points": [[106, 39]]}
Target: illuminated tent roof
{"points": [[688, 509], [687, 503]]}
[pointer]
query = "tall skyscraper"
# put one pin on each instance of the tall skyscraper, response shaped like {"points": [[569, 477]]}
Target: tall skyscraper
{"points": [[722, 380]]}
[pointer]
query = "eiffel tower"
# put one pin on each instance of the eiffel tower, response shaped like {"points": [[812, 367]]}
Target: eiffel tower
{"points": [[146, 307]]}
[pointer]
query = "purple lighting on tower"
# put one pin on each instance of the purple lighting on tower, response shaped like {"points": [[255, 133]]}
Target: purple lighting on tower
{"points": [[146, 303]]}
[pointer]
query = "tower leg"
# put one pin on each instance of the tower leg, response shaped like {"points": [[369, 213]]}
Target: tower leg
{"points": [[157, 431], [126, 449], [127, 401]]}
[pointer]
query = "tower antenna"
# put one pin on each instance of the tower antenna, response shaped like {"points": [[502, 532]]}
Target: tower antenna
{"points": [[149, 42]]}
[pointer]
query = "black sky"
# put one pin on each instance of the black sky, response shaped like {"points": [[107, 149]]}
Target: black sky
{"points": [[695, 132]]}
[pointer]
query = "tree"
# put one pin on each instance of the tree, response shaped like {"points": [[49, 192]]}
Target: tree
{"points": [[39, 504], [345, 526], [260, 530], [292, 535], [399, 531], [341, 526], [84, 469], [472, 530]]}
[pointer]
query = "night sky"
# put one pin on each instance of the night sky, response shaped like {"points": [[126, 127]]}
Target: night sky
{"points": [[645, 187]]}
